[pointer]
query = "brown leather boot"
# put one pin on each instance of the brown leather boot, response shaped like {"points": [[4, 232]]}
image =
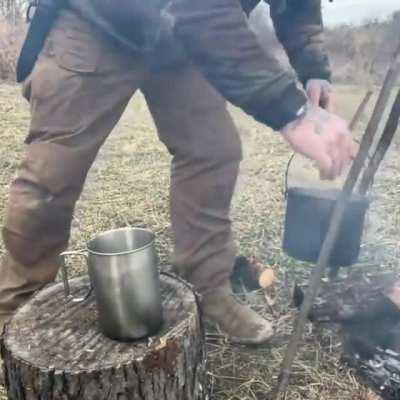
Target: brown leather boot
{"points": [[241, 324]]}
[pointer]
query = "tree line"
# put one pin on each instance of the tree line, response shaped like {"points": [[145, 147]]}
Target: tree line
{"points": [[13, 10]]}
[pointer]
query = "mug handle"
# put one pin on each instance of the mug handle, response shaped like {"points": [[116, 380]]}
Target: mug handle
{"points": [[64, 270]]}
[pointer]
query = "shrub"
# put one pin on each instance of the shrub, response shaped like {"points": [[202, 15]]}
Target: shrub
{"points": [[11, 38]]}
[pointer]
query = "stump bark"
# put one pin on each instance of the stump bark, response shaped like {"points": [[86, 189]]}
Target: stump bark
{"points": [[53, 349]]}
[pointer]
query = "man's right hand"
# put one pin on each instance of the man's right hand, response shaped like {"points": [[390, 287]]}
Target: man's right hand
{"points": [[324, 138]]}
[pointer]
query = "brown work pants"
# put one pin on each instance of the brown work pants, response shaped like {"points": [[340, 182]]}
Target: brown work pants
{"points": [[78, 90]]}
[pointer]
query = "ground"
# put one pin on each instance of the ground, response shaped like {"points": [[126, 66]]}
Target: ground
{"points": [[128, 185]]}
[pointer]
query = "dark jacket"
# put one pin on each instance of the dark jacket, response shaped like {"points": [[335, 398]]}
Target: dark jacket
{"points": [[216, 36]]}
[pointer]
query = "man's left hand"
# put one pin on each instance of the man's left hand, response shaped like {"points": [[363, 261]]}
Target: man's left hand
{"points": [[320, 93]]}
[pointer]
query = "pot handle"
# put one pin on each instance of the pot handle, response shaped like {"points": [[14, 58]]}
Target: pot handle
{"points": [[287, 174], [369, 157], [353, 125], [64, 270]]}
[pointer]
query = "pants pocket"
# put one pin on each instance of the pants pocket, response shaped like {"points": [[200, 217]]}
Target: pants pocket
{"points": [[74, 43], [77, 52]]}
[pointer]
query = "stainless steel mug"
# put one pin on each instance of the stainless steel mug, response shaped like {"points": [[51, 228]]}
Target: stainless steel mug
{"points": [[123, 273]]}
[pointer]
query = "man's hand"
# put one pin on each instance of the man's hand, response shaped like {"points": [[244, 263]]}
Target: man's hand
{"points": [[320, 93], [324, 138]]}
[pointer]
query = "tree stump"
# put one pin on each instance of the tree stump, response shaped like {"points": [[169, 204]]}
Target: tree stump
{"points": [[53, 349]]}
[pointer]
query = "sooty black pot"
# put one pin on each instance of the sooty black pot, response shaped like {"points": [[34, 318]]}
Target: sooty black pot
{"points": [[308, 215]]}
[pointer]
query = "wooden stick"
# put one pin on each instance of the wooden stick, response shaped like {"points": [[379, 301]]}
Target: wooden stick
{"points": [[330, 239], [334, 270], [360, 110], [383, 146]]}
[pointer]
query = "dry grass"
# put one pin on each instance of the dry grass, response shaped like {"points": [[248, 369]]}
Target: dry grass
{"points": [[129, 185]]}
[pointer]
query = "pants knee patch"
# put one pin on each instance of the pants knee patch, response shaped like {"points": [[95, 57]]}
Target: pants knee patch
{"points": [[42, 201], [29, 251]]}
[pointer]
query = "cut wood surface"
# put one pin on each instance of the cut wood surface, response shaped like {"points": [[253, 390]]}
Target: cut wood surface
{"points": [[53, 349], [252, 274]]}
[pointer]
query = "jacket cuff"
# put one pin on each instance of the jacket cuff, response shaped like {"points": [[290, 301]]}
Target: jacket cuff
{"points": [[324, 75], [314, 69], [282, 110]]}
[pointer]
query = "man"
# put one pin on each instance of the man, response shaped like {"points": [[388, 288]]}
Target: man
{"points": [[95, 57]]}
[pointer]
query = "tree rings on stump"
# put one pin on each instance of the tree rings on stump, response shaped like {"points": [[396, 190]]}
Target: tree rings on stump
{"points": [[53, 349]]}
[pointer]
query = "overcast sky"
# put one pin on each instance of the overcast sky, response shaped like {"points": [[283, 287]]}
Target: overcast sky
{"points": [[357, 11]]}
